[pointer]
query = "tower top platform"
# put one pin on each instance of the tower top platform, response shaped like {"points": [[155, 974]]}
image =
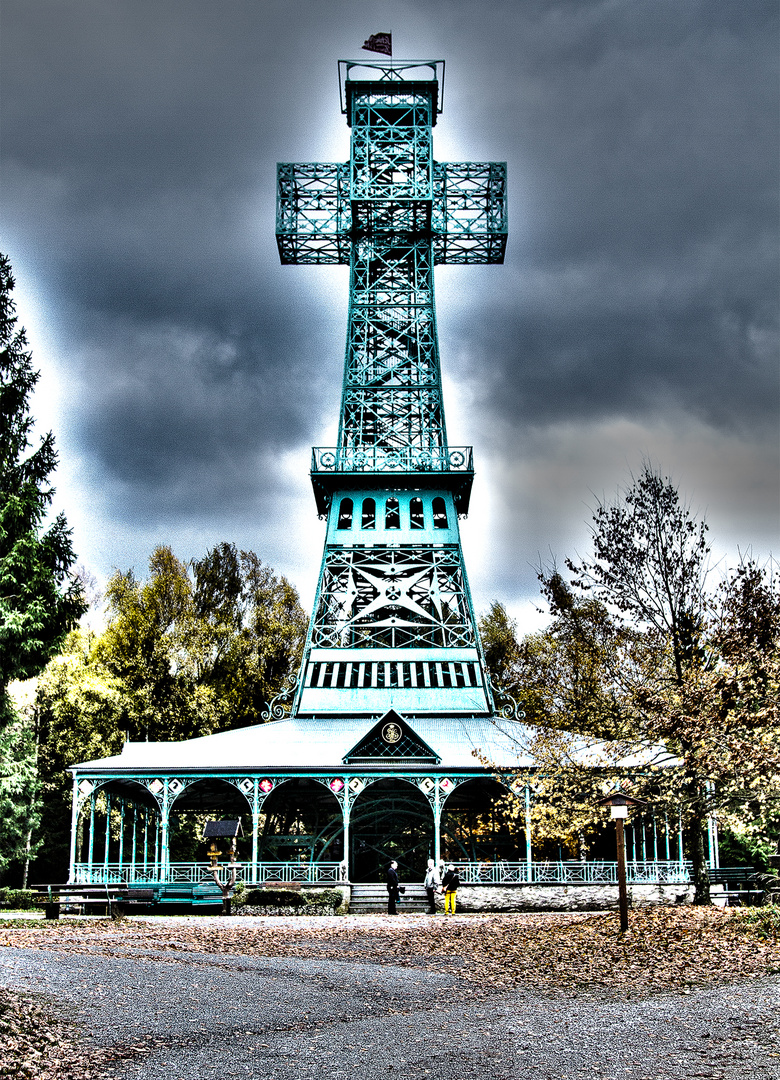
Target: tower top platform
{"points": [[407, 72]]}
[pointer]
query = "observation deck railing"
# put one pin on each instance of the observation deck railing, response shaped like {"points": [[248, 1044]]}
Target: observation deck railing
{"points": [[408, 459]]}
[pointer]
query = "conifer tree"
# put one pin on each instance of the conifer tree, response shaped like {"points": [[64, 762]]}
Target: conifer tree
{"points": [[39, 598]]}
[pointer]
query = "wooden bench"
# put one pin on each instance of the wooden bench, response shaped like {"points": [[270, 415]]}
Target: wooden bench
{"points": [[56, 898]]}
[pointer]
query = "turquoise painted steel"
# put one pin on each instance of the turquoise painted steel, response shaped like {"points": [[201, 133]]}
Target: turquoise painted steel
{"points": [[393, 623], [598, 872]]}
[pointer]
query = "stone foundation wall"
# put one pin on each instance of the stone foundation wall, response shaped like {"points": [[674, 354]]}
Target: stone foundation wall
{"points": [[567, 897]]}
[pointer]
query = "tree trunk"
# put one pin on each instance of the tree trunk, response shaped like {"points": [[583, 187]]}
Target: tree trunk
{"points": [[26, 865]]}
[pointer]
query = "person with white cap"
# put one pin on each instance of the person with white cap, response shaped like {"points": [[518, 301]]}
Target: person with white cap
{"points": [[432, 883]]}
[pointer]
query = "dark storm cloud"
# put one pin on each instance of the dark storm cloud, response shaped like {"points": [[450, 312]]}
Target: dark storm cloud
{"points": [[644, 139], [139, 150]]}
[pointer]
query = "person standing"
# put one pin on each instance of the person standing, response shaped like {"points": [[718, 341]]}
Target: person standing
{"points": [[450, 883], [432, 884], [393, 888]]}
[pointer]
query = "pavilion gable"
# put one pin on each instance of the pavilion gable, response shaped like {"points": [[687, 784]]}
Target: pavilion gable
{"points": [[391, 739]]}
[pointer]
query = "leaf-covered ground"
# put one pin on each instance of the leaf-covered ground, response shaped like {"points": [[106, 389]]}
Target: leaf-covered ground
{"points": [[666, 949]]}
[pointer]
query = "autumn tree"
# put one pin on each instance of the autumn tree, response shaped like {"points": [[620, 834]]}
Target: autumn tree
{"points": [[641, 658], [39, 599], [563, 679], [251, 630], [82, 711], [188, 650]]}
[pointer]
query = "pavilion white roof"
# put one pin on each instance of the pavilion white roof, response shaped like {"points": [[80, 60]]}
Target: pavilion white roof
{"points": [[301, 744]]}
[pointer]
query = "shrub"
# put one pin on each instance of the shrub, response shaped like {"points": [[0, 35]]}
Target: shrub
{"points": [[17, 899], [763, 921], [324, 898]]}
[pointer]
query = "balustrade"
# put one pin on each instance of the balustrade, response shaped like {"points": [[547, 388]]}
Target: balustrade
{"points": [[658, 872]]}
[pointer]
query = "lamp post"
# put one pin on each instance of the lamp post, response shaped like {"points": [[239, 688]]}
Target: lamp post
{"points": [[619, 805]]}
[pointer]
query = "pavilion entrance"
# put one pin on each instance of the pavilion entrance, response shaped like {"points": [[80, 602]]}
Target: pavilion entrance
{"points": [[391, 819]]}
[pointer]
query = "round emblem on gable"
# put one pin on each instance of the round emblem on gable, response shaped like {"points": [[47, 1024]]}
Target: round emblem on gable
{"points": [[391, 733]]}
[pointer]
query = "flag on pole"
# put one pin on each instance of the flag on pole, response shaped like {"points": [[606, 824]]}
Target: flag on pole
{"points": [[380, 43]]}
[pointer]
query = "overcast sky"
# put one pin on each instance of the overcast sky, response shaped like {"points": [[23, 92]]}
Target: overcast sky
{"points": [[186, 373]]}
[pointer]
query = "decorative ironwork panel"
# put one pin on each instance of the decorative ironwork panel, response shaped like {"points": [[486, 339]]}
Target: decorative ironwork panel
{"points": [[328, 459], [375, 597]]}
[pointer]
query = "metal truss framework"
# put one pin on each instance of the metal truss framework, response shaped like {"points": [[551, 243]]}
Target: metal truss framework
{"points": [[392, 213], [393, 598]]}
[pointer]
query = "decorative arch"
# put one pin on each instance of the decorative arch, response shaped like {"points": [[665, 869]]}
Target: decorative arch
{"points": [[482, 820], [302, 821], [345, 514], [368, 519], [391, 817], [439, 513]]}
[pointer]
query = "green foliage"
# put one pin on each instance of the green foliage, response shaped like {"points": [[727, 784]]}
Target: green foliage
{"points": [[150, 647], [499, 643], [267, 896], [199, 653], [19, 791], [762, 922], [330, 898], [82, 711], [251, 630], [18, 900], [39, 599], [186, 652]]}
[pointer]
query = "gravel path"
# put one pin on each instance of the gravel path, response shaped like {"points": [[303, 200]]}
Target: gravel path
{"points": [[197, 1016]]}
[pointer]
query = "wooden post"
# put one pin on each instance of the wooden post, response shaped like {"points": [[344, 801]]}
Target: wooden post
{"points": [[621, 870]]}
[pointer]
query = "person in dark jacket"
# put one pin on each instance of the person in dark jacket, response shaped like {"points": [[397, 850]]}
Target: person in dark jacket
{"points": [[450, 883], [393, 888]]}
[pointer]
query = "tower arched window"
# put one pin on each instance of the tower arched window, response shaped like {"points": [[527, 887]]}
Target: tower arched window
{"points": [[416, 519], [345, 514], [392, 514], [439, 513], [369, 514]]}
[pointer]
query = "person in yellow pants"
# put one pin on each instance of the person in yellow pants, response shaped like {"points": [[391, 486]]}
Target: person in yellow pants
{"points": [[450, 883]]}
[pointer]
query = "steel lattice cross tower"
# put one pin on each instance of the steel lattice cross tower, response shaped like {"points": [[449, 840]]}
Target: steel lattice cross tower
{"points": [[393, 623]]}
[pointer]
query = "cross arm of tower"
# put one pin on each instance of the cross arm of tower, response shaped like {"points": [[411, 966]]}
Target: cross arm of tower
{"points": [[315, 219]]}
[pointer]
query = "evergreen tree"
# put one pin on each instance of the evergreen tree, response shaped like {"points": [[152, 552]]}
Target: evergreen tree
{"points": [[39, 599]]}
